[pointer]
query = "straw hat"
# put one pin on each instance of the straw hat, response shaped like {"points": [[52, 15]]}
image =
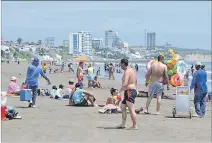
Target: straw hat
{"points": [[13, 78]]}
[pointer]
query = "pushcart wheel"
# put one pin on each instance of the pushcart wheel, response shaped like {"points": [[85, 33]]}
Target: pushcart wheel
{"points": [[173, 112]]}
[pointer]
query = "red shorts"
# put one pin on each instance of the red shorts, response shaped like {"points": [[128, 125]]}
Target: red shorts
{"points": [[80, 78]]}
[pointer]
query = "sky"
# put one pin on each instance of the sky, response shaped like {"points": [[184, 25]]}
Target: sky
{"points": [[182, 24]]}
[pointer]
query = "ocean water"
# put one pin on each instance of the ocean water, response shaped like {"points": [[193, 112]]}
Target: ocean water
{"points": [[142, 70]]}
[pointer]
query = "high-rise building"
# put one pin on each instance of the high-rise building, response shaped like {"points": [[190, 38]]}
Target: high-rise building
{"points": [[151, 41], [75, 44], [111, 39], [97, 43], [80, 43], [65, 43]]}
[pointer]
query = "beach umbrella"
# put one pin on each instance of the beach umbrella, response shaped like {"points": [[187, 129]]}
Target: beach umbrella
{"points": [[81, 59]]}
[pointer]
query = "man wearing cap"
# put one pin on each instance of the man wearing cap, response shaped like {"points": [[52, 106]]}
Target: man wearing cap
{"points": [[199, 84], [13, 87], [81, 97], [33, 72]]}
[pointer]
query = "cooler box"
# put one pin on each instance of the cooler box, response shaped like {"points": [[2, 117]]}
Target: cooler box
{"points": [[25, 95]]}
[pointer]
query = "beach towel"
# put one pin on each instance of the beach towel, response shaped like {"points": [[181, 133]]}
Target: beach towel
{"points": [[110, 109]]}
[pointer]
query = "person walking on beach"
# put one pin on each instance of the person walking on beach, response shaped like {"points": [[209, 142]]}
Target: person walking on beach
{"points": [[98, 72], [62, 67], [130, 92], [199, 84], [32, 76], [159, 77], [192, 69], [136, 67], [111, 71]]}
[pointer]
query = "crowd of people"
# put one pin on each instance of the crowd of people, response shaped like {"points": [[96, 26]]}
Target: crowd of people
{"points": [[78, 96]]}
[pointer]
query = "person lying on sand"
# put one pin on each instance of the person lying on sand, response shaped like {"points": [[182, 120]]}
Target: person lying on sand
{"points": [[80, 97], [10, 112], [96, 83]]}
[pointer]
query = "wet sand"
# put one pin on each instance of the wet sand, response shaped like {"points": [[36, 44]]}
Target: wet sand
{"points": [[53, 121]]}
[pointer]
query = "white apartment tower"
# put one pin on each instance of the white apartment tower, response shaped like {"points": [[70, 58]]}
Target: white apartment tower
{"points": [[80, 43]]}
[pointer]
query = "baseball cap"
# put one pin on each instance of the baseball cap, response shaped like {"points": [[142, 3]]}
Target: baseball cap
{"points": [[13, 78], [79, 84]]}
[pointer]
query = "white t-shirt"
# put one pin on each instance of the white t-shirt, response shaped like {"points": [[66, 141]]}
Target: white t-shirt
{"points": [[59, 92]]}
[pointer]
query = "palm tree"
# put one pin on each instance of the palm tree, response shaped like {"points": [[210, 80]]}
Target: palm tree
{"points": [[15, 54], [19, 40]]}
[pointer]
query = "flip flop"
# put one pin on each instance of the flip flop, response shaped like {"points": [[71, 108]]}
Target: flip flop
{"points": [[132, 128], [158, 113], [145, 112], [120, 127]]}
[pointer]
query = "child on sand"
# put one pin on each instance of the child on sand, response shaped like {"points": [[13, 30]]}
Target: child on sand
{"points": [[59, 92], [95, 83], [112, 103], [114, 98]]}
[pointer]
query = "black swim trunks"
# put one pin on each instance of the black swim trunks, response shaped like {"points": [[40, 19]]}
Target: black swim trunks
{"points": [[82, 103], [129, 95]]}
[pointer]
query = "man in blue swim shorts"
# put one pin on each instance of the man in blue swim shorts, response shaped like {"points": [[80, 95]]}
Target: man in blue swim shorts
{"points": [[130, 92]]}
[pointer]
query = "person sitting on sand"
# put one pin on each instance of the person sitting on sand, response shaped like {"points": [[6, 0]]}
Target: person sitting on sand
{"points": [[68, 90], [13, 87], [95, 83], [80, 97], [114, 99], [23, 86], [59, 93], [52, 92], [11, 113], [70, 85]]}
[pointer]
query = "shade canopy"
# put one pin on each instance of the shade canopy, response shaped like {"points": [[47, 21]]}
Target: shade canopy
{"points": [[81, 59]]}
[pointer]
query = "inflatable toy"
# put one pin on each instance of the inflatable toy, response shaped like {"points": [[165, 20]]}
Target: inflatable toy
{"points": [[176, 80], [176, 69]]}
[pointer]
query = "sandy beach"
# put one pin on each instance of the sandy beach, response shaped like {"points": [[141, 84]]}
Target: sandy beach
{"points": [[53, 121]]}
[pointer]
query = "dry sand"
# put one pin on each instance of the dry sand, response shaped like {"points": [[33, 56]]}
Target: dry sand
{"points": [[53, 121]]}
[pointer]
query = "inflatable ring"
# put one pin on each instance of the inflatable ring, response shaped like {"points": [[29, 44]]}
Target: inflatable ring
{"points": [[176, 80]]}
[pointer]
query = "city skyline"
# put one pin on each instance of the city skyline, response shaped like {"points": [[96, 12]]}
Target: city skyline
{"points": [[182, 24]]}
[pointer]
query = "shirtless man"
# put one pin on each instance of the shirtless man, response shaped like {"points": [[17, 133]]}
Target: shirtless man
{"points": [[130, 92], [159, 77], [80, 72]]}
